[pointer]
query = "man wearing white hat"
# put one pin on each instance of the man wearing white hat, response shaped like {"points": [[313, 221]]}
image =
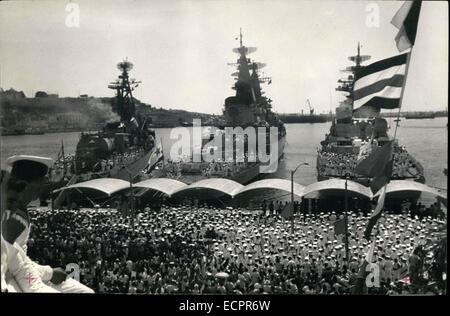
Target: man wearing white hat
{"points": [[24, 185], [13, 262]]}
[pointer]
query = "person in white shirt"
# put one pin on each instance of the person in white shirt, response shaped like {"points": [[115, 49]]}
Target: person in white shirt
{"points": [[23, 186], [13, 263]]}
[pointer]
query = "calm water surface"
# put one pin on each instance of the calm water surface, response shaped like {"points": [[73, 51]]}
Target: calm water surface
{"points": [[425, 139]]}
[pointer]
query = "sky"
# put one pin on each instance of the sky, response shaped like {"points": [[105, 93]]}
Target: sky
{"points": [[180, 49]]}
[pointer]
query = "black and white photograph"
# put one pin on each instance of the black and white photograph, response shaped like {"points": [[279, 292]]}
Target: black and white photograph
{"points": [[204, 148]]}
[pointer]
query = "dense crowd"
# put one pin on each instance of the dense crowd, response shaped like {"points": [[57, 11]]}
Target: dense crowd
{"points": [[217, 168], [65, 167], [334, 164], [124, 159], [201, 250]]}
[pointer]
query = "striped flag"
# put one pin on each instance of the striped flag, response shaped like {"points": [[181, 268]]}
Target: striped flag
{"points": [[379, 85], [376, 214], [406, 20]]}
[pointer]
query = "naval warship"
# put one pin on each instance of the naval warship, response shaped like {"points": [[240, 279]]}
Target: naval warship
{"points": [[121, 149], [337, 155], [247, 108]]}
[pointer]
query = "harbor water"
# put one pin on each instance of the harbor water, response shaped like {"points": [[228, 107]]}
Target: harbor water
{"points": [[425, 139]]}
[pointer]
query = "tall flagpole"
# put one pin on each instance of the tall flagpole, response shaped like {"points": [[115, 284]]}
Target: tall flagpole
{"points": [[346, 221], [415, 6], [162, 150], [63, 156]]}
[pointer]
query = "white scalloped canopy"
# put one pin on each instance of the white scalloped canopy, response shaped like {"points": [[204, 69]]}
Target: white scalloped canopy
{"points": [[278, 184], [338, 184], [108, 186], [164, 185], [232, 188], [223, 185], [405, 185]]}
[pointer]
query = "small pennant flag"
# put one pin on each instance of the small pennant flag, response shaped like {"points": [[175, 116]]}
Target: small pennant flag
{"points": [[376, 214], [339, 227], [61, 154], [288, 211], [383, 178], [406, 20]]}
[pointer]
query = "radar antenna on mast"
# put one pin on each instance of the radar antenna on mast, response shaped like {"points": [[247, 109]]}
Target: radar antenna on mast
{"points": [[242, 50], [124, 87]]}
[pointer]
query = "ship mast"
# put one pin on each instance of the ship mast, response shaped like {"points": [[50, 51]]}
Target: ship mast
{"points": [[346, 84], [240, 37], [124, 87], [249, 106]]}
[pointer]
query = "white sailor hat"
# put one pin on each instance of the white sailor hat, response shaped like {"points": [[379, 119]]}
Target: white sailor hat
{"points": [[29, 167], [43, 160]]}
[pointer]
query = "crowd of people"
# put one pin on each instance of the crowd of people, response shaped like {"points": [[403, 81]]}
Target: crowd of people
{"points": [[334, 164], [205, 250], [215, 168], [124, 159], [65, 167]]}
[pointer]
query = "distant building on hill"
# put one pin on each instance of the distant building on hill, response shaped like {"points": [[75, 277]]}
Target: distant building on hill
{"points": [[11, 94], [43, 94]]}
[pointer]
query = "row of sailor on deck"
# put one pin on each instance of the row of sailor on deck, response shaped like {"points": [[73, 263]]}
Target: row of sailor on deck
{"points": [[334, 164]]}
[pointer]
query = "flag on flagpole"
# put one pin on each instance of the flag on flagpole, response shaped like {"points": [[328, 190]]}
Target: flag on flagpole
{"points": [[376, 214], [378, 166], [364, 151], [406, 20], [339, 227], [61, 154], [382, 178], [62, 151], [288, 211], [379, 85]]}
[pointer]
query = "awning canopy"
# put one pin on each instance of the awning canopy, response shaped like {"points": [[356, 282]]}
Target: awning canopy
{"points": [[406, 185], [164, 185], [337, 184], [223, 185], [108, 186], [278, 184], [232, 188]]}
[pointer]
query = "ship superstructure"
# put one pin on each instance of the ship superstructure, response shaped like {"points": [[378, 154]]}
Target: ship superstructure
{"points": [[337, 156], [247, 108], [121, 149]]}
